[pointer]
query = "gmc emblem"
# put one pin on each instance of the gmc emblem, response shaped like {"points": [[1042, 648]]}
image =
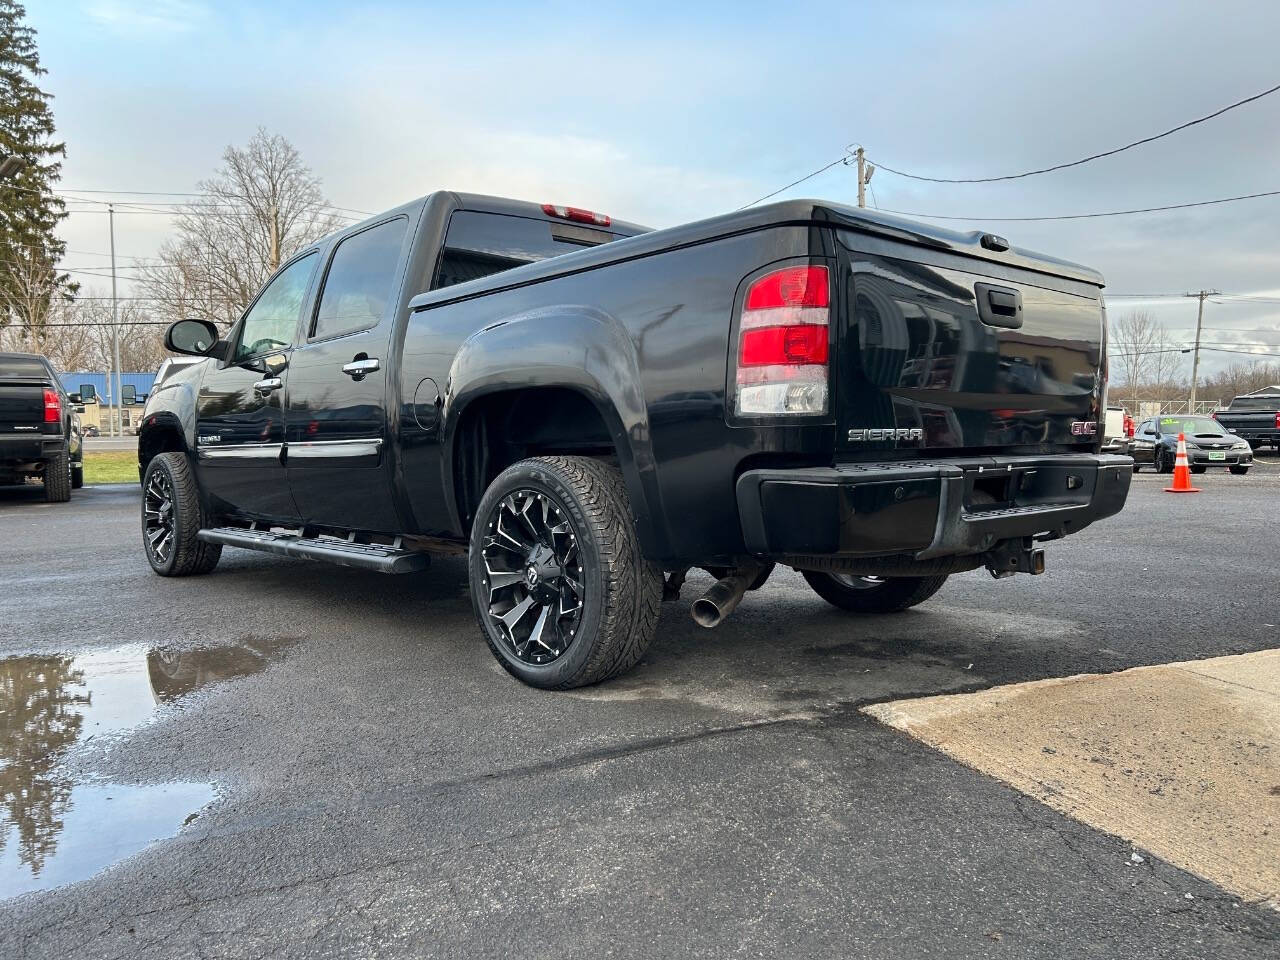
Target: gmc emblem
{"points": [[1084, 428], [887, 433]]}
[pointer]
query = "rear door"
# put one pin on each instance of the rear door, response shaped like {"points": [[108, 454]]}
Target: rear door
{"points": [[337, 455], [239, 411], [982, 360]]}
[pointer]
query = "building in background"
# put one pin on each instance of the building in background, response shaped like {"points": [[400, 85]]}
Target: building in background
{"points": [[102, 414]]}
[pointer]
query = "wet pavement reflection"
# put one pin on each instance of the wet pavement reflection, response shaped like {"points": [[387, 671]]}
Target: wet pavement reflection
{"points": [[55, 830]]}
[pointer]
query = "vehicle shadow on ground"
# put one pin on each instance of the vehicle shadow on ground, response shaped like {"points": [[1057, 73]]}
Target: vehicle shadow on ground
{"points": [[784, 650]]}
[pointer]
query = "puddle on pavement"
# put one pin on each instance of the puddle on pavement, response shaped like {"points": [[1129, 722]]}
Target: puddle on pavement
{"points": [[55, 830]]}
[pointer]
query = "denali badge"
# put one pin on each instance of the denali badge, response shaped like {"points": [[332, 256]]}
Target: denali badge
{"points": [[914, 433], [1084, 428], [209, 438]]}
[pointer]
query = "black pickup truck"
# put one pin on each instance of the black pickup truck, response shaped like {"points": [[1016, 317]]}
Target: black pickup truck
{"points": [[1254, 417], [39, 428], [588, 409]]}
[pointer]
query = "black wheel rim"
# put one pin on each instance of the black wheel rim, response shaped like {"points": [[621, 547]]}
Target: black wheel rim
{"points": [[531, 582], [858, 583], [157, 516]]}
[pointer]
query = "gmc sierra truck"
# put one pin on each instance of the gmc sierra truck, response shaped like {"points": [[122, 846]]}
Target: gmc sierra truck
{"points": [[39, 428], [588, 409]]}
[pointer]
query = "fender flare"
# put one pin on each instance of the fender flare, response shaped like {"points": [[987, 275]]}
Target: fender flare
{"points": [[572, 347]]}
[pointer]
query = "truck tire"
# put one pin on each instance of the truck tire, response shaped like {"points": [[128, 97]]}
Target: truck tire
{"points": [[560, 588], [873, 594], [57, 479], [172, 515], [77, 476]]}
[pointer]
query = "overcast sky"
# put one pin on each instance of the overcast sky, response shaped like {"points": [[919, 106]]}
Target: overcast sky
{"points": [[663, 113]]}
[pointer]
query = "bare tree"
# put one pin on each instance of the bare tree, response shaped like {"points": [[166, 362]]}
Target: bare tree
{"points": [[260, 208], [1133, 340], [77, 336]]}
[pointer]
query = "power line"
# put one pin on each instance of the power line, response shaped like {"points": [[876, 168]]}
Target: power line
{"points": [[1088, 159], [807, 176], [1089, 216]]}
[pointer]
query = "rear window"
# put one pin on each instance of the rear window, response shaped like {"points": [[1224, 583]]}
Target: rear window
{"points": [[480, 244], [1255, 403], [23, 367]]}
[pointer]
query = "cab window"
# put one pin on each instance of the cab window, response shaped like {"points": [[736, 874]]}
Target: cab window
{"points": [[361, 280], [272, 320]]}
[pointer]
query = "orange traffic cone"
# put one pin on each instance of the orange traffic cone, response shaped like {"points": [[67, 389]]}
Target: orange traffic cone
{"points": [[1181, 471]]}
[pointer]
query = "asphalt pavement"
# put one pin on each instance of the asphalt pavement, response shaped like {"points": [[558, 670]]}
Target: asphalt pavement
{"points": [[331, 764]]}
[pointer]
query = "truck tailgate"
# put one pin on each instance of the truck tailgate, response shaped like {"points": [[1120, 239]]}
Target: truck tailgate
{"points": [[21, 405], [973, 361]]}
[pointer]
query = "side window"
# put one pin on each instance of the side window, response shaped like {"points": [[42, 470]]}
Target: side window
{"points": [[272, 320], [360, 281]]}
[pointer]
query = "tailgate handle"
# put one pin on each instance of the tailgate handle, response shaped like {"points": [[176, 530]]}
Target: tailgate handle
{"points": [[999, 306]]}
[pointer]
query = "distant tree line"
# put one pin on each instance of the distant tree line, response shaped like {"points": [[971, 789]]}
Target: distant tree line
{"points": [[1147, 365]]}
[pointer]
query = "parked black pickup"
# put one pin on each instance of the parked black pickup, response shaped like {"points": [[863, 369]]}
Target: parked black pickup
{"points": [[589, 409], [1254, 417], [39, 428]]}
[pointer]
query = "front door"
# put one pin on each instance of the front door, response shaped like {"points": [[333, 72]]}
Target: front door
{"points": [[240, 411], [337, 439]]}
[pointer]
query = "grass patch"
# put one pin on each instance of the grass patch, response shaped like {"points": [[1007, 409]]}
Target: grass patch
{"points": [[110, 466]]}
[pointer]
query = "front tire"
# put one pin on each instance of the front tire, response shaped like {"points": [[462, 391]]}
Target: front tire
{"points": [[172, 515], [77, 476], [57, 479], [560, 588], [1238, 470], [872, 594], [1163, 463], [1200, 469]]}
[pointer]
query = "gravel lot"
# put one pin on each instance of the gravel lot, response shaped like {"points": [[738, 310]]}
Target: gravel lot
{"points": [[338, 767]]}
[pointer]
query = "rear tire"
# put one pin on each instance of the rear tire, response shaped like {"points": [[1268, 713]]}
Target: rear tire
{"points": [[1238, 470], [589, 609], [871, 594], [172, 515], [57, 479]]}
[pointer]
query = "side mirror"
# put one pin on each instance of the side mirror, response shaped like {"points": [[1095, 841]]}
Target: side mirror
{"points": [[128, 393], [196, 338], [88, 393], [78, 408]]}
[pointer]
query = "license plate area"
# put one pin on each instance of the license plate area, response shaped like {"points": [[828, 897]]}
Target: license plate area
{"points": [[1217, 455]]}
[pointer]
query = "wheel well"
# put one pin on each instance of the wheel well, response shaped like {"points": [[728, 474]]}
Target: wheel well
{"points": [[500, 429], [162, 438]]}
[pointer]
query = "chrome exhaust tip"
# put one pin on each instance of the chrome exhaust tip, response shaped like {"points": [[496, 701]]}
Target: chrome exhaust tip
{"points": [[711, 609]]}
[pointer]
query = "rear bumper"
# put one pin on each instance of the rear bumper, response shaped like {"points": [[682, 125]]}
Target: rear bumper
{"points": [[30, 447], [927, 510]]}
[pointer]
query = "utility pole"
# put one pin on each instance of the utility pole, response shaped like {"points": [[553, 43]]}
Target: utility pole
{"points": [[1195, 357], [275, 237], [865, 171], [117, 427]]}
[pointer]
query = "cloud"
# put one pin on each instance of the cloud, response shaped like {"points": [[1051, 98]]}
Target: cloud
{"points": [[165, 16]]}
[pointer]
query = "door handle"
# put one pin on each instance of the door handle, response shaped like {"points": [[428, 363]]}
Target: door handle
{"points": [[266, 386], [357, 369]]}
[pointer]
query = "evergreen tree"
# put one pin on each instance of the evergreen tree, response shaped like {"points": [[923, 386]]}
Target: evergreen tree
{"points": [[29, 211]]}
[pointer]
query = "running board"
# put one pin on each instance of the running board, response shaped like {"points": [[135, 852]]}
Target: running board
{"points": [[384, 558]]}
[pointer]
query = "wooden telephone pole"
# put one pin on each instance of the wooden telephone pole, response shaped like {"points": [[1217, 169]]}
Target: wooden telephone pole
{"points": [[1195, 358]]}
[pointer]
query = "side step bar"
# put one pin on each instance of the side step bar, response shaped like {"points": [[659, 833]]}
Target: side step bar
{"points": [[384, 558]]}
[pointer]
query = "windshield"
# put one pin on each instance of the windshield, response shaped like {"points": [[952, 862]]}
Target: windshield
{"points": [[1192, 426]]}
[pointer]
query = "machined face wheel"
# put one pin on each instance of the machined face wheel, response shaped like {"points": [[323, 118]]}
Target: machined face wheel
{"points": [[858, 583], [158, 521], [532, 576]]}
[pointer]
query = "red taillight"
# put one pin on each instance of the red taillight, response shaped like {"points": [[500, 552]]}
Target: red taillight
{"points": [[577, 214], [790, 287], [800, 343], [1278, 419], [783, 343], [52, 406]]}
